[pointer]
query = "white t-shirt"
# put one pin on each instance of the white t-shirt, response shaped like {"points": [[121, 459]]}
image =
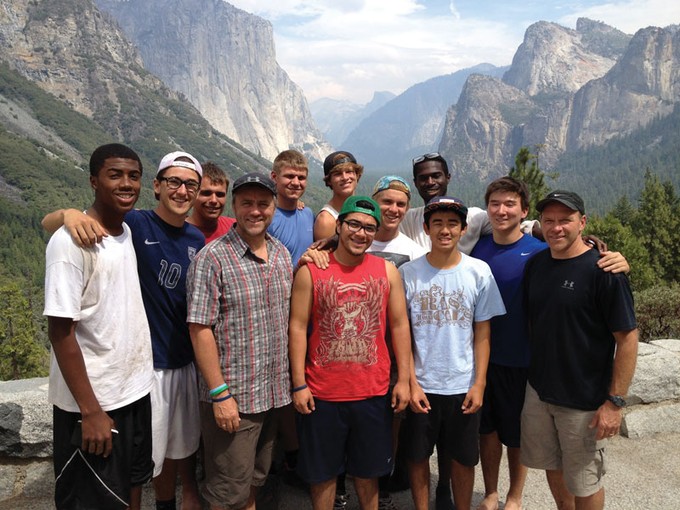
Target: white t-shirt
{"points": [[443, 306], [399, 250], [98, 288]]}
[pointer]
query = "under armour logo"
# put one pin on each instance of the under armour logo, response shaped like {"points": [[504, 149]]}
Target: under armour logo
{"points": [[569, 285]]}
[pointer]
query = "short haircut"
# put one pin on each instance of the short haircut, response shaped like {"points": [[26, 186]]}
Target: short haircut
{"points": [[510, 185], [358, 169], [290, 159], [427, 216], [439, 158], [215, 173], [111, 150]]}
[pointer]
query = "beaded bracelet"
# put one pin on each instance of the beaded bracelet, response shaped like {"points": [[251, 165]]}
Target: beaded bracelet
{"points": [[221, 399], [220, 389], [299, 388]]}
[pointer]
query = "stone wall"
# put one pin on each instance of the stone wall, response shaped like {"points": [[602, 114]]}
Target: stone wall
{"points": [[26, 419]]}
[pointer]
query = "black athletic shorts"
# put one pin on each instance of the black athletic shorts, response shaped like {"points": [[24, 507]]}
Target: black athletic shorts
{"points": [[88, 481], [460, 431], [503, 402]]}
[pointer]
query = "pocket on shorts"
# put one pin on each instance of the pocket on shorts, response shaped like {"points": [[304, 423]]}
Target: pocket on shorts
{"points": [[594, 470]]}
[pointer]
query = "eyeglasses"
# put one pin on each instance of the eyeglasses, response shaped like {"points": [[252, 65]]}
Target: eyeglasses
{"points": [[175, 183], [429, 155], [355, 226]]}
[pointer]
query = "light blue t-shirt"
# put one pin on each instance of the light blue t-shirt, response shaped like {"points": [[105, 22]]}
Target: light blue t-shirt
{"points": [[295, 229], [443, 305]]}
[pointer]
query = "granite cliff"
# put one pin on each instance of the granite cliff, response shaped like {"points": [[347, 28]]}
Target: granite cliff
{"points": [[222, 59]]}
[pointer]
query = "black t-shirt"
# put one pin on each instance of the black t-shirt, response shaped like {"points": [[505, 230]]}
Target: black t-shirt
{"points": [[572, 309]]}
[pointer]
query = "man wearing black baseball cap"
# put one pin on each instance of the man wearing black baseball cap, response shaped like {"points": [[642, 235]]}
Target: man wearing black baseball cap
{"points": [[583, 340], [238, 291]]}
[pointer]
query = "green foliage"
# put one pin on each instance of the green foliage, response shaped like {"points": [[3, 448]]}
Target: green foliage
{"points": [[526, 169], [21, 355], [658, 226], [622, 238], [658, 312]]}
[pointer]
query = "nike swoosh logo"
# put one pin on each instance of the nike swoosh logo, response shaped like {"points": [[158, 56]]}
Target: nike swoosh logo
{"points": [[146, 241], [525, 254]]}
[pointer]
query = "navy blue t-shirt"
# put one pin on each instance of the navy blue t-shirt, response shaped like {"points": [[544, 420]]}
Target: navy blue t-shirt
{"points": [[509, 337], [164, 253]]}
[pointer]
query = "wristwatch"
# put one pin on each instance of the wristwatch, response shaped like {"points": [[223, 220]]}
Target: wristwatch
{"points": [[617, 400]]}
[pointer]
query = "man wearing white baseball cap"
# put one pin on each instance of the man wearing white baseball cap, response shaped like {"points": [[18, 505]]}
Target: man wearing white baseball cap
{"points": [[165, 245]]}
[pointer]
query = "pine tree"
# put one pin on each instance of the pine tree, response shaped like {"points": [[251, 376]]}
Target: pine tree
{"points": [[21, 356], [526, 169]]}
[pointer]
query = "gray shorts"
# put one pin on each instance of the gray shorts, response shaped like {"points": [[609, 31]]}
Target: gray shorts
{"points": [[235, 462], [558, 438]]}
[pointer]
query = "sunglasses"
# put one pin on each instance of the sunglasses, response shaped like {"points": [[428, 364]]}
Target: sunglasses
{"points": [[424, 157]]}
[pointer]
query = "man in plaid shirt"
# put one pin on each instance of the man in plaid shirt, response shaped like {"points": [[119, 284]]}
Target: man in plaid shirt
{"points": [[238, 305]]}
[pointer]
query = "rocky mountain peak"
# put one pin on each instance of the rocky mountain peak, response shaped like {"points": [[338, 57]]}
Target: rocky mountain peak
{"points": [[555, 59]]}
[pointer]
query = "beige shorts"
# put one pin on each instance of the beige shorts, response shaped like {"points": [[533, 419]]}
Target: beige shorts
{"points": [[174, 415], [558, 438], [235, 462]]}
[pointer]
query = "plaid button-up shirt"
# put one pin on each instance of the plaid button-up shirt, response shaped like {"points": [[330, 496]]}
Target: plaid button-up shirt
{"points": [[247, 302]]}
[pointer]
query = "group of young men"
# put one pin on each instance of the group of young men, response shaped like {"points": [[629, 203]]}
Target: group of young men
{"points": [[391, 330]]}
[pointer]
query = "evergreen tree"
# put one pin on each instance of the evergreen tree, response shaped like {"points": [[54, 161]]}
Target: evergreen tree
{"points": [[21, 356], [526, 169], [657, 224]]}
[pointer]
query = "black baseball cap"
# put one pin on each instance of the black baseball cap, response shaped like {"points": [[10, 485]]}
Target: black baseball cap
{"points": [[567, 198], [447, 204], [254, 179], [337, 158]]}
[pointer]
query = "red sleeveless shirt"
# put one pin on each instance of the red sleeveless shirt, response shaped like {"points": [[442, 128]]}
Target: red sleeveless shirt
{"points": [[347, 356]]}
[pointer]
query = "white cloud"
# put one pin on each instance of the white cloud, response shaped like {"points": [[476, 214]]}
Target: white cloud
{"points": [[351, 48], [630, 15]]}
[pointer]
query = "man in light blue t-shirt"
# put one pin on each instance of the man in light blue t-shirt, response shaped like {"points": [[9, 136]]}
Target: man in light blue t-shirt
{"points": [[292, 225], [451, 298]]}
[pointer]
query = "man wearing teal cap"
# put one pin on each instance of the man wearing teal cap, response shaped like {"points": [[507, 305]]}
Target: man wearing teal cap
{"points": [[341, 369]]}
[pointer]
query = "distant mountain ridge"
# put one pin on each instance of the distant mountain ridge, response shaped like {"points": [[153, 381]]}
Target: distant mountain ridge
{"points": [[336, 118], [411, 123]]}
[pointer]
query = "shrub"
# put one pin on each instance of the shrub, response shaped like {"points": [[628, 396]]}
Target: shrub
{"points": [[658, 312]]}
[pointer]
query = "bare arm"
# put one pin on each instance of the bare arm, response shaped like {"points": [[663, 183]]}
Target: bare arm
{"points": [[324, 226], [401, 338], [207, 359], [608, 417], [96, 424], [84, 229], [482, 348], [300, 312]]}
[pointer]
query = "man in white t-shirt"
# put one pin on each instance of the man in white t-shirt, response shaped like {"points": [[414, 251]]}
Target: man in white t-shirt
{"points": [[102, 367]]}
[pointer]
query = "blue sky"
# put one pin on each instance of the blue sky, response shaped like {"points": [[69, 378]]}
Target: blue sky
{"points": [[348, 49]]}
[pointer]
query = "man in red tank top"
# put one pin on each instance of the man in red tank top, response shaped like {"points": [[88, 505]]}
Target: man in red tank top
{"points": [[340, 362]]}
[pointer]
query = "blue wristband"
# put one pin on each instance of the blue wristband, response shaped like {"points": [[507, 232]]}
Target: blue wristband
{"points": [[221, 399], [299, 388]]}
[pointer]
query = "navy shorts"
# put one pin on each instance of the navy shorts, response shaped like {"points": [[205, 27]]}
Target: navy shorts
{"points": [[353, 437], [85, 480], [503, 402], [459, 431]]}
